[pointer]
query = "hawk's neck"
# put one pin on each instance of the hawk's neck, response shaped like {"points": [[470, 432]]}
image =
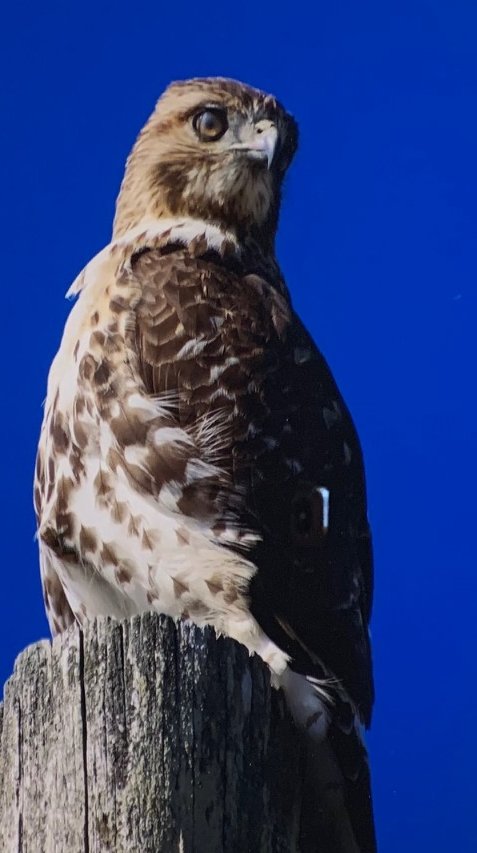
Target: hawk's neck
{"points": [[196, 235]]}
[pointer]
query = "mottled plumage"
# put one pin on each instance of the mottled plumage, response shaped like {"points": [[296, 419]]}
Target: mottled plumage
{"points": [[196, 456]]}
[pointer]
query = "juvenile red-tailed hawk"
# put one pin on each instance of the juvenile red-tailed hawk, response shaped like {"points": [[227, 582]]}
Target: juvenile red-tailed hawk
{"points": [[196, 457]]}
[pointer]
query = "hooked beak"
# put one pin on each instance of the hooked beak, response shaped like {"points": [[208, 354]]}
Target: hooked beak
{"points": [[262, 143]]}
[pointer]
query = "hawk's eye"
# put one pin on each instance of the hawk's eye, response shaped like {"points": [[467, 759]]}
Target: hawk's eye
{"points": [[210, 124]]}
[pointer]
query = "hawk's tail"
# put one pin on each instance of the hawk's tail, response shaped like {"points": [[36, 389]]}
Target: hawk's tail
{"points": [[337, 815]]}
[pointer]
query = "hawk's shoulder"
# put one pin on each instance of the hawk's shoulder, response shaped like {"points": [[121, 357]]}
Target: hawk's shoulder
{"points": [[204, 323]]}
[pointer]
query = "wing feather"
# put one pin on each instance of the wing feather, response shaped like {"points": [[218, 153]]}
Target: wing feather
{"points": [[232, 347], [230, 343]]}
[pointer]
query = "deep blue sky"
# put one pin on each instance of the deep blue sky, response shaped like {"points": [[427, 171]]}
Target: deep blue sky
{"points": [[378, 242]]}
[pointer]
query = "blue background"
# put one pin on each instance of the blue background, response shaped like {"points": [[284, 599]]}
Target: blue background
{"points": [[378, 244]]}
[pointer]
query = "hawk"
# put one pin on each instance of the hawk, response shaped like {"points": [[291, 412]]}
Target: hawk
{"points": [[196, 456]]}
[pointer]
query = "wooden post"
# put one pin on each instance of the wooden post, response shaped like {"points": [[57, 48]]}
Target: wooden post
{"points": [[146, 737]]}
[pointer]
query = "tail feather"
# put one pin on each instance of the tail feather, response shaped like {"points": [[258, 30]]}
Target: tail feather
{"points": [[337, 814]]}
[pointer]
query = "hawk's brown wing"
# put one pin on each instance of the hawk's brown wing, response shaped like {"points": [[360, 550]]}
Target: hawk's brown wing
{"points": [[229, 344]]}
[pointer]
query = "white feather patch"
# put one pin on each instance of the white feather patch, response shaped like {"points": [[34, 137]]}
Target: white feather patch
{"points": [[145, 235], [325, 496]]}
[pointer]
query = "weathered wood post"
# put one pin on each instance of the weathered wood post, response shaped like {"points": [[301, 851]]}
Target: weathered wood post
{"points": [[148, 737]]}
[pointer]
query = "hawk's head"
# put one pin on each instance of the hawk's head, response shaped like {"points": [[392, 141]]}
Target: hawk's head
{"points": [[213, 149]]}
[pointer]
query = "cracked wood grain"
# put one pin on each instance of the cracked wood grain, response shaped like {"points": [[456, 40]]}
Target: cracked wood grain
{"points": [[148, 737]]}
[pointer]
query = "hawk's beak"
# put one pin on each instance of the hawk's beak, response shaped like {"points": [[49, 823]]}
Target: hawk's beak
{"points": [[262, 143]]}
